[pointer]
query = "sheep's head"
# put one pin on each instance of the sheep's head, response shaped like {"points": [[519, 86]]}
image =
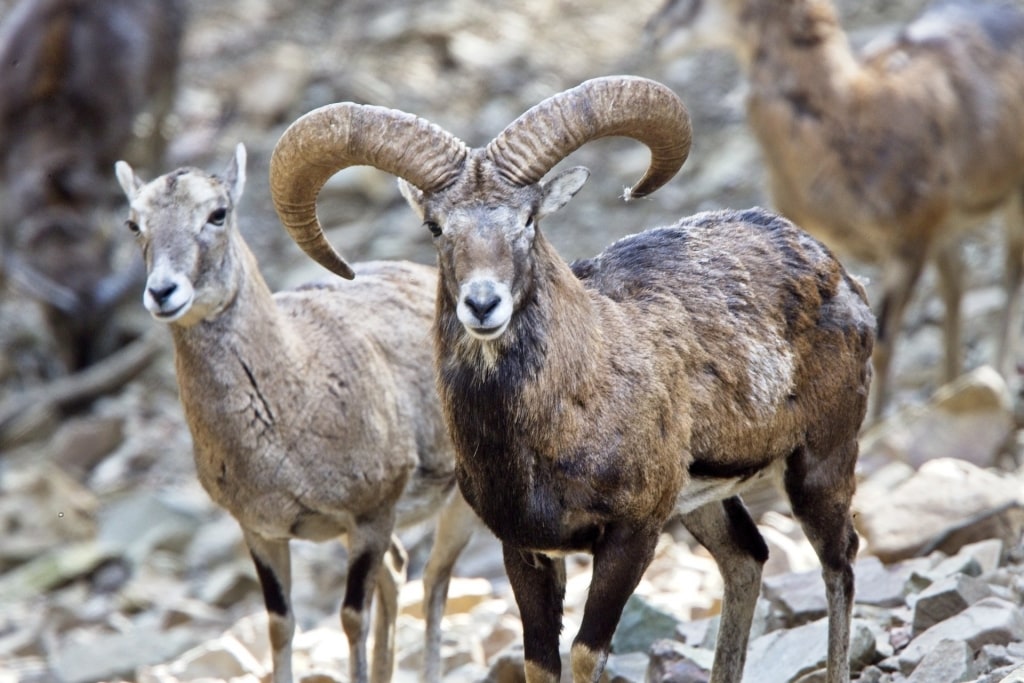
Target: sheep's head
{"points": [[482, 205], [484, 230], [184, 222]]}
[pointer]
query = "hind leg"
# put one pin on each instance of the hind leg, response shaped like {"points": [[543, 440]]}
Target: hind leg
{"points": [[1013, 274], [820, 490], [901, 277], [951, 283], [726, 529], [390, 579], [455, 527], [367, 545]]}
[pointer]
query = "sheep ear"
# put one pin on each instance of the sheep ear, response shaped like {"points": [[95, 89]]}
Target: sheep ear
{"points": [[560, 189], [234, 176], [413, 195], [130, 183]]}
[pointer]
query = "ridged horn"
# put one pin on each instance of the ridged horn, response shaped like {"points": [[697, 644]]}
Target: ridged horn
{"points": [[634, 107], [336, 136]]}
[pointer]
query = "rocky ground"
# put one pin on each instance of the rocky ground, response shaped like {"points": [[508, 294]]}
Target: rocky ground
{"points": [[114, 565]]}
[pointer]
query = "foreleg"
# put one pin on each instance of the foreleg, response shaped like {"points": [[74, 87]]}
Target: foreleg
{"points": [[538, 583], [621, 555], [272, 559]]}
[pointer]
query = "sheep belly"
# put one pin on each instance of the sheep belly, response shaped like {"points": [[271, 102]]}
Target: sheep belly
{"points": [[700, 491]]}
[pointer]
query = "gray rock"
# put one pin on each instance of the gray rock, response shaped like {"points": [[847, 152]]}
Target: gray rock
{"points": [[784, 656], [1014, 676], [946, 598], [80, 444], [950, 661], [229, 584], [467, 673], [873, 674], [991, 620], [217, 541], [20, 631], [1001, 525], [898, 522], [141, 522], [274, 81], [946, 567], [997, 657], [989, 554], [879, 584], [674, 662], [641, 624], [968, 419], [507, 666], [41, 509], [627, 668], [800, 596], [222, 658], [60, 565], [698, 632], [109, 656], [665, 652]]}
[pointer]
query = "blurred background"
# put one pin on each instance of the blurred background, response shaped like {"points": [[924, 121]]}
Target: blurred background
{"points": [[112, 559]]}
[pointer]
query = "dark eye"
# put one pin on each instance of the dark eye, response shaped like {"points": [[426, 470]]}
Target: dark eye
{"points": [[217, 217], [133, 226], [529, 221], [433, 227]]}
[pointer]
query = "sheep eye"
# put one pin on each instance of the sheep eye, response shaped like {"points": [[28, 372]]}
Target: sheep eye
{"points": [[217, 217], [133, 226], [433, 227], [529, 221]]}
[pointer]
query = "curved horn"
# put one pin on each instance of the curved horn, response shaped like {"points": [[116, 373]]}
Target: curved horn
{"points": [[634, 107], [336, 136]]}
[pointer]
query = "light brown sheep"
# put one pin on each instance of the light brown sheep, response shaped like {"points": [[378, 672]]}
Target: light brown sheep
{"points": [[313, 411]]}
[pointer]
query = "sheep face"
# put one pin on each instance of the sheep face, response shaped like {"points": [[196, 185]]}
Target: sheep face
{"points": [[484, 246], [184, 223]]}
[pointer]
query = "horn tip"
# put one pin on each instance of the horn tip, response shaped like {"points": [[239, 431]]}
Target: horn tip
{"points": [[338, 266]]}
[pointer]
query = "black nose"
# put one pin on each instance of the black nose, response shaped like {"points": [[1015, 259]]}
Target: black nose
{"points": [[482, 305], [162, 294]]}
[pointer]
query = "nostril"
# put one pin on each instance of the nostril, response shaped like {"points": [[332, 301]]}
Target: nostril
{"points": [[162, 294], [482, 306]]}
